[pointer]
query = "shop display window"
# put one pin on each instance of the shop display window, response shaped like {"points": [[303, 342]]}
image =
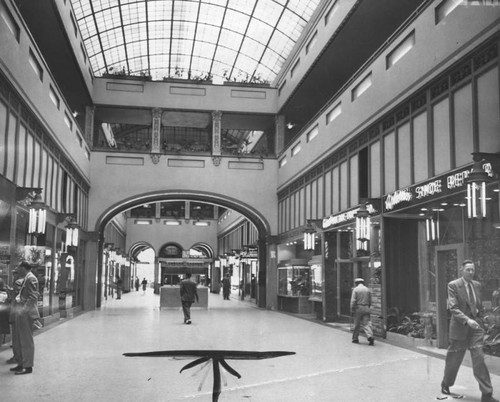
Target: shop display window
{"points": [[294, 280], [316, 265]]}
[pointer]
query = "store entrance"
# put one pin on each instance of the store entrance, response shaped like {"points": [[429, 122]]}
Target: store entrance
{"points": [[346, 281], [448, 259]]}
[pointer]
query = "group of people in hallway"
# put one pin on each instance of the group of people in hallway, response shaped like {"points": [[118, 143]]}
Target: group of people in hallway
{"points": [[464, 302], [466, 328]]}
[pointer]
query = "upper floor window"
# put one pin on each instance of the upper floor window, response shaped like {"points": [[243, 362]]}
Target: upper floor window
{"points": [[53, 97], [282, 162], [73, 22], [362, 86], [296, 149], [444, 8], [294, 68], [10, 21], [82, 49], [313, 133], [334, 113], [68, 120], [311, 42], [36, 65], [330, 12], [400, 50], [281, 88]]}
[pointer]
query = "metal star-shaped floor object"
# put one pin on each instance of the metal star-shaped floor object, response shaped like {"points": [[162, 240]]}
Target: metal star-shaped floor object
{"points": [[218, 358]]}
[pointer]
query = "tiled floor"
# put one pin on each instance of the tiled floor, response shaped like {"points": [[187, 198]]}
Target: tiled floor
{"points": [[82, 359]]}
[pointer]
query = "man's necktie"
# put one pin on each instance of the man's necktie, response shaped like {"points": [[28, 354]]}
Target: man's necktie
{"points": [[472, 301]]}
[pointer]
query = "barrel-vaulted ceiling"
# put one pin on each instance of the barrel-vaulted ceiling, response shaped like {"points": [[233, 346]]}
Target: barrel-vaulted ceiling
{"points": [[225, 40]]}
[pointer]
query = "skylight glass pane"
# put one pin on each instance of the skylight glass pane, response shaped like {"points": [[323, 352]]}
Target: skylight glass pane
{"points": [[159, 30], [159, 10], [207, 22], [253, 49], [158, 47], [291, 25], [211, 14], [207, 33], [112, 38], [230, 39], [185, 10], [133, 13], [204, 49], [268, 12], [136, 32], [259, 31], [236, 21], [183, 29], [245, 7]]}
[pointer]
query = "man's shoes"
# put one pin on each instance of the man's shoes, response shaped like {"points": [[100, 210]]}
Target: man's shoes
{"points": [[371, 341], [12, 360], [488, 398], [27, 370], [355, 341], [445, 389], [188, 322], [17, 368]]}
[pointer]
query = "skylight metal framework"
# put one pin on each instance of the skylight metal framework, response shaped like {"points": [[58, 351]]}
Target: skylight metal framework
{"points": [[223, 40]]}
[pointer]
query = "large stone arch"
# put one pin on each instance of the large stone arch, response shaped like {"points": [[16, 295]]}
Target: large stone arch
{"points": [[252, 214]]}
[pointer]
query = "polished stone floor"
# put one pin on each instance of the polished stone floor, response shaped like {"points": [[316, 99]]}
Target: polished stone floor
{"points": [[81, 359]]}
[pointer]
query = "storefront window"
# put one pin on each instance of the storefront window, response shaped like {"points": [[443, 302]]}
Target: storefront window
{"points": [[294, 280]]}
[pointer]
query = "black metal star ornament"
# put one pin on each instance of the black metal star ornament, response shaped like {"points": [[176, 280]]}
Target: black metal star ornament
{"points": [[218, 358]]}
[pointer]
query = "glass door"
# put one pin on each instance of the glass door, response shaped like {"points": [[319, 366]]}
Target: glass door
{"points": [[448, 260], [346, 280]]}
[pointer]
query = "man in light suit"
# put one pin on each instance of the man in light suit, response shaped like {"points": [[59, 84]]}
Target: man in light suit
{"points": [[25, 312], [466, 332], [188, 295]]}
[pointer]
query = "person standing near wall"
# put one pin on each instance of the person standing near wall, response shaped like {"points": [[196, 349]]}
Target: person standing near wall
{"points": [[226, 286], [25, 313], [144, 284], [360, 309], [466, 332]]}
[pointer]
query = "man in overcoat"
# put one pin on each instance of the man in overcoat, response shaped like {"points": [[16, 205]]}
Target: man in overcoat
{"points": [[466, 332], [25, 312], [188, 294]]}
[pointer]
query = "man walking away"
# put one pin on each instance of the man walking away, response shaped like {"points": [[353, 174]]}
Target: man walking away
{"points": [[188, 294], [360, 310]]}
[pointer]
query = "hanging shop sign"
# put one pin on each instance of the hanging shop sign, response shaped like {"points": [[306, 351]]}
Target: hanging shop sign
{"points": [[440, 186], [346, 216]]}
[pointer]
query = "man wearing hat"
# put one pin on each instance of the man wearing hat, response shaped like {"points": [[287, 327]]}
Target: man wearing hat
{"points": [[25, 312], [360, 310]]}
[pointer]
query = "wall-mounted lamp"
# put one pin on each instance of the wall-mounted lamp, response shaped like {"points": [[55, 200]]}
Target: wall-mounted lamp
{"points": [[38, 215], [431, 228], [310, 234], [363, 223], [72, 232], [476, 183]]}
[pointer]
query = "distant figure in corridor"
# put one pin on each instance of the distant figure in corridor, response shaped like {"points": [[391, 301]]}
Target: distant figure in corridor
{"points": [[25, 312], [144, 284], [226, 286], [360, 309], [119, 287], [188, 294], [137, 284], [466, 332]]}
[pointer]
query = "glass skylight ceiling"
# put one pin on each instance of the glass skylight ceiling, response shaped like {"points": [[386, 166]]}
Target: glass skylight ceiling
{"points": [[226, 40]]}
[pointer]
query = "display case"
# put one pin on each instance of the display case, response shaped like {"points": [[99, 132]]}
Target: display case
{"points": [[316, 292], [294, 286]]}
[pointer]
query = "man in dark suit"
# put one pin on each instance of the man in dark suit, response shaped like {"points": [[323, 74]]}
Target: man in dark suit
{"points": [[25, 312], [466, 332], [188, 295]]}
